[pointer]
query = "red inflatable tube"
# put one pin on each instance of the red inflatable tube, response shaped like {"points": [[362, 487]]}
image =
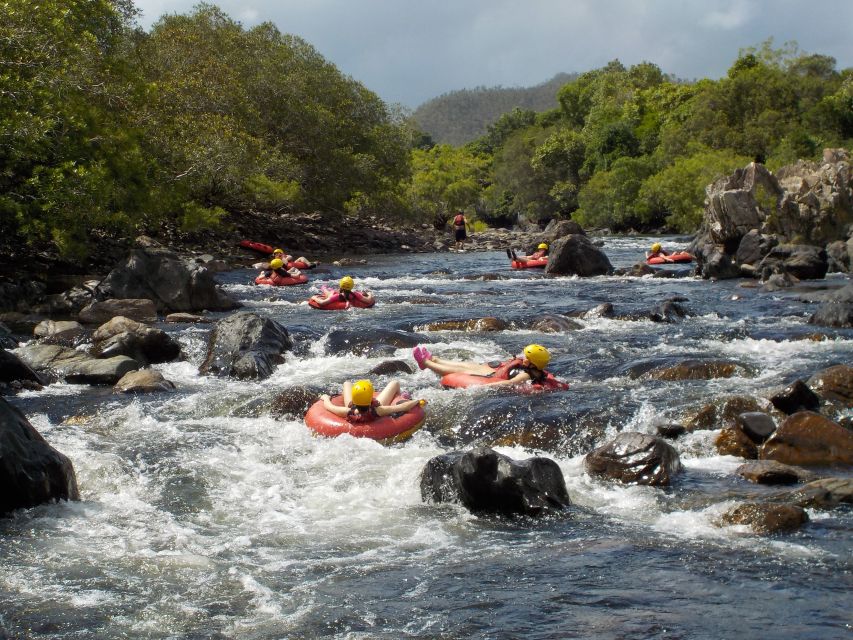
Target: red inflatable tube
{"points": [[278, 281], [386, 429], [339, 304], [298, 264], [529, 264], [260, 247], [681, 256], [467, 380]]}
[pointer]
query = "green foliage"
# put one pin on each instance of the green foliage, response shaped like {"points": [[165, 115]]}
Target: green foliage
{"points": [[678, 191], [195, 217], [610, 198], [445, 179]]}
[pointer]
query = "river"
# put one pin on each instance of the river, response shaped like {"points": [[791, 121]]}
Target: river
{"points": [[204, 517]]}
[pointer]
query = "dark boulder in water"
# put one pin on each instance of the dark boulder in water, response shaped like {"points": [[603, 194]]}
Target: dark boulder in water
{"points": [[834, 384], [634, 458], [796, 397], [245, 346], [485, 481], [772, 473], [757, 425], [837, 311], [808, 438], [31, 471], [13, 369], [294, 401], [804, 262], [576, 255], [765, 517], [687, 369], [390, 367], [550, 323]]}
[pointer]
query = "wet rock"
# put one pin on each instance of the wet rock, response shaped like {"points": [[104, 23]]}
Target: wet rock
{"points": [[143, 381], [173, 284], [474, 324], [840, 256], [349, 262], [758, 426], [485, 481], [837, 311], [245, 346], [189, 318], [766, 518], [392, 366], [142, 310], [670, 431], [667, 311], [59, 331], [604, 310], [294, 401], [712, 416], [370, 341], [779, 281], [126, 337], [771, 472], [13, 369], [549, 323], [794, 398], [637, 271], [74, 366], [559, 228], [23, 323], [753, 247], [634, 458], [31, 471], [804, 262], [576, 255], [732, 441], [823, 493], [808, 438], [834, 384]]}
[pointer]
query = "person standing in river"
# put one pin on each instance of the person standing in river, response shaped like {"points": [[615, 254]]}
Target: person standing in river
{"points": [[460, 230]]}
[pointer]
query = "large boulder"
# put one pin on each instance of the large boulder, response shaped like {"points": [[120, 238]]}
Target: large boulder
{"points": [[808, 438], [59, 331], [124, 337], [796, 397], [822, 493], [76, 366], [143, 381], [31, 471], [173, 284], [575, 254], [485, 481], [837, 311], [245, 346], [558, 228], [634, 458]]}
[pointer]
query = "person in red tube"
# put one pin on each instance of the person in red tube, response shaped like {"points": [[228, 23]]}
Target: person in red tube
{"points": [[530, 368], [360, 405], [345, 292], [541, 252]]}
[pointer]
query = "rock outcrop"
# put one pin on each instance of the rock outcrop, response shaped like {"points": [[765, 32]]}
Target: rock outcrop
{"points": [[31, 471], [757, 223], [575, 254], [173, 284]]}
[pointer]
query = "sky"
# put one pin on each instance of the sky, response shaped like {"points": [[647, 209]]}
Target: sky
{"points": [[409, 51]]}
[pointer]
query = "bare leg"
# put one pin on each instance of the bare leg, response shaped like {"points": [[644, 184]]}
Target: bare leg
{"points": [[442, 367], [387, 395], [347, 393]]}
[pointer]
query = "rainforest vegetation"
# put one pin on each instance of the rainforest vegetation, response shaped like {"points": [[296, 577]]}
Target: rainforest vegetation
{"points": [[109, 129]]}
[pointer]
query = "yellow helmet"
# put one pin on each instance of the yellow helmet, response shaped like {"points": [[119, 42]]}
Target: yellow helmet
{"points": [[346, 283], [542, 245], [362, 393], [538, 355], [276, 263], [277, 251], [656, 247]]}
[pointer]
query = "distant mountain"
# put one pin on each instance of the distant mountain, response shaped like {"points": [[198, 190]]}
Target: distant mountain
{"points": [[461, 116]]}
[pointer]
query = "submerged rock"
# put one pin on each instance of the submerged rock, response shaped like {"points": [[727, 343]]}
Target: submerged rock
{"points": [[837, 311], [772, 473], [485, 481], [31, 471], [474, 324], [823, 493], [370, 341]]}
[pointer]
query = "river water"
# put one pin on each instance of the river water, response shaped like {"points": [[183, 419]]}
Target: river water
{"points": [[204, 517]]}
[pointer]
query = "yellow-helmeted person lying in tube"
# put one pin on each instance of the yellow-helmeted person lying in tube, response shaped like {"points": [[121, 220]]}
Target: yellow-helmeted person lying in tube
{"points": [[541, 252], [530, 367], [360, 405], [658, 252], [346, 292]]}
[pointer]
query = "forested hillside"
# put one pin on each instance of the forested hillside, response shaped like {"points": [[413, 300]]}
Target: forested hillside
{"points": [[461, 116]]}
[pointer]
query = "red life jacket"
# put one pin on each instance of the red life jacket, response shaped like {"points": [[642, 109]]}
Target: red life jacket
{"points": [[459, 220], [511, 368], [360, 415]]}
